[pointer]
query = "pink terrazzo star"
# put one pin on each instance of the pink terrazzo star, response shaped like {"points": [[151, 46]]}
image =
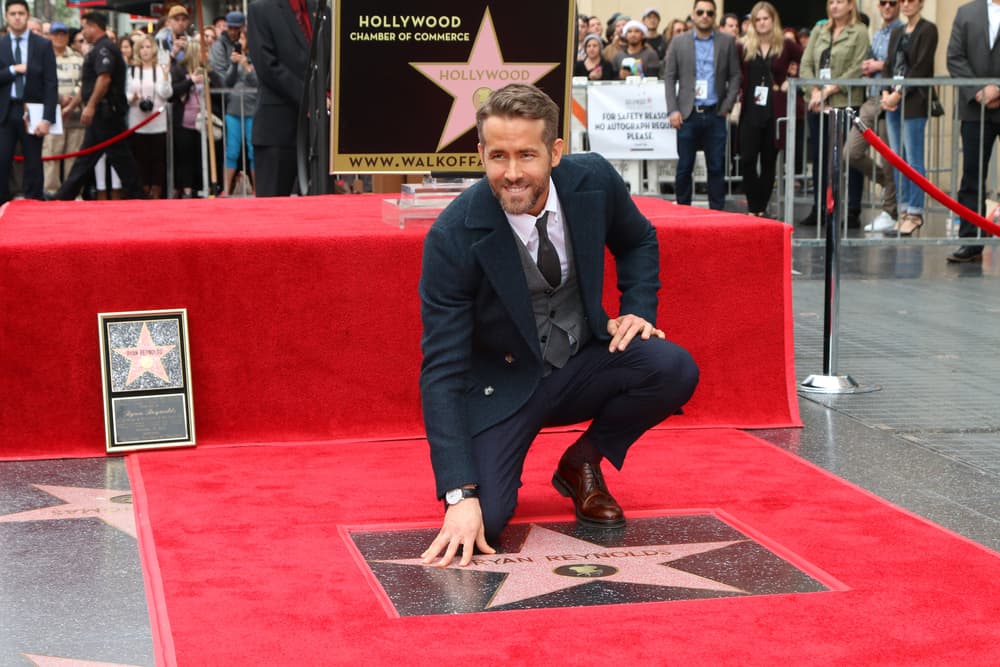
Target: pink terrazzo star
{"points": [[82, 503], [550, 561]]}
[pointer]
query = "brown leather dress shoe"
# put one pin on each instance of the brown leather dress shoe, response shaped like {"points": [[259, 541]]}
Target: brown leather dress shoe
{"points": [[593, 503]]}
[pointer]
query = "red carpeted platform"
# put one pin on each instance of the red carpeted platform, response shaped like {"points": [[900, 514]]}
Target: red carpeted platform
{"points": [[248, 566], [304, 316]]}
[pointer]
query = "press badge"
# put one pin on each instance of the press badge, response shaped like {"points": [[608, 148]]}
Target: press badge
{"points": [[824, 73], [701, 89], [760, 95]]}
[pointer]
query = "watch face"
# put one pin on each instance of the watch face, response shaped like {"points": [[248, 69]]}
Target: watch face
{"points": [[453, 496]]}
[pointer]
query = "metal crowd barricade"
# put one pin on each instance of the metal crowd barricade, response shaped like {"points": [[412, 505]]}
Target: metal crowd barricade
{"points": [[942, 157], [221, 111]]}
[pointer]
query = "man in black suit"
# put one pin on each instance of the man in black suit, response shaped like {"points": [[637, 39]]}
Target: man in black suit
{"points": [[27, 74], [515, 336], [974, 53], [278, 34]]}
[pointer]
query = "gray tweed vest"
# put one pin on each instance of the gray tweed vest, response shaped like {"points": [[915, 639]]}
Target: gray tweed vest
{"points": [[559, 315]]}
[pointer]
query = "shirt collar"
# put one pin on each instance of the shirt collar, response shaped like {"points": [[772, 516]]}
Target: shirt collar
{"points": [[524, 224]]}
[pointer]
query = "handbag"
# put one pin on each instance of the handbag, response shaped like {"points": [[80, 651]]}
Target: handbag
{"points": [[937, 109], [216, 125]]}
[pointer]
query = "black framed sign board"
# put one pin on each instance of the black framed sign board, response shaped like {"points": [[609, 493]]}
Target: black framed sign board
{"points": [[146, 378], [408, 77]]}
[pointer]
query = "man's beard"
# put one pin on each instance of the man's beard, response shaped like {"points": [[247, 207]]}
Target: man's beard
{"points": [[523, 204]]}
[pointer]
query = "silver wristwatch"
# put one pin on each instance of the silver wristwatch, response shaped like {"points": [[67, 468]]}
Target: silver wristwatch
{"points": [[456, 496]]}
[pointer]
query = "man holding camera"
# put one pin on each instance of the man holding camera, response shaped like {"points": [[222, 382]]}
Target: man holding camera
{"points": [[172, 38], [104, 109]]}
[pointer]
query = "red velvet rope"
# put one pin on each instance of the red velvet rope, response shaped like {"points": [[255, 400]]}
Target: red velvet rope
{"points": [[927, 186], [104, 144]]}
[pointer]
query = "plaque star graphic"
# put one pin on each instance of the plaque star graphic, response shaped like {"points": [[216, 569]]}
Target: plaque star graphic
{"points": [[111, 506], [550, 561], [469, 83], [146, 357], [52, 661]]}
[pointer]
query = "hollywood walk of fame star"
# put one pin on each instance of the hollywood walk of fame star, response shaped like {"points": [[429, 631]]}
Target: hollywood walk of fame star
{"points": [[145, 357], [470, 82], [52, 661], [550, 561], [111, 506]]}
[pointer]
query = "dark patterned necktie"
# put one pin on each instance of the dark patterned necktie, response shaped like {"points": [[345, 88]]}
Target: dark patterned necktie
{"points": [[548, 258], [19, 79]]}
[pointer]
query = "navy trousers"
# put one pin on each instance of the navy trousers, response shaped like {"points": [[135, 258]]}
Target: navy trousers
{"points": [[625, 394]]}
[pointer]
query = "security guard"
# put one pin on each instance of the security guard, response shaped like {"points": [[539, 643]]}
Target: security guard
{"points": [[104, 110]]}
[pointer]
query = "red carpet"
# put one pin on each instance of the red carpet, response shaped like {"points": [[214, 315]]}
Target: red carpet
{"points": [[253, 569], [304, 317]]}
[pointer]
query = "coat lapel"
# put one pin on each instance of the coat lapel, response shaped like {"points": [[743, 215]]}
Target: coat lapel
{"points": [[583, 209], [497, 254], [285, 7]]}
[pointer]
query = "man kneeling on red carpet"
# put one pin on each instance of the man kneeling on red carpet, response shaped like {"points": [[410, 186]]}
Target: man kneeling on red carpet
{"points": [[515, 337]]}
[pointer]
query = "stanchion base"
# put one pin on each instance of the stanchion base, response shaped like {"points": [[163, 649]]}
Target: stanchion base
{"points": [[835, 384]]}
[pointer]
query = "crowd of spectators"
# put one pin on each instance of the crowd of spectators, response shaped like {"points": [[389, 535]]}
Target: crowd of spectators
{"points": [[175, 71], [835, 48]]}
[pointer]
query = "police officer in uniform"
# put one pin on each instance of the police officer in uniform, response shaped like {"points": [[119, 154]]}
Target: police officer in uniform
{"points": [[104, 111]]}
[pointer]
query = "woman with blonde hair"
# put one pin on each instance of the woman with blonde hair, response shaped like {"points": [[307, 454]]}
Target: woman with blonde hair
{"points": [[149, 89], [835, 51], [765, 58], [188, 79]]}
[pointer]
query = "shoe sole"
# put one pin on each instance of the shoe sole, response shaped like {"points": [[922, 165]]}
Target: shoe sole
{"points": [[965, 260], [564, 490]]}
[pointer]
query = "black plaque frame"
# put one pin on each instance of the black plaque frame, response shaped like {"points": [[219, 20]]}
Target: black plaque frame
{"points": [[151, 406]]}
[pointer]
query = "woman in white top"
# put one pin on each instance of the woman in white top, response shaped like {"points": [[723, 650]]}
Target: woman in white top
{"points": [[149, 88]]}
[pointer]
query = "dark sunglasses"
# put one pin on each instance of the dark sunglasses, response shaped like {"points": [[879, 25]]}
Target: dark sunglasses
{"points": [[703, 12], [891, 3]]}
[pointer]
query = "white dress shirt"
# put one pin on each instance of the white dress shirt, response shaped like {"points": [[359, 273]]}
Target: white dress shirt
{"points": [[524, 227]]}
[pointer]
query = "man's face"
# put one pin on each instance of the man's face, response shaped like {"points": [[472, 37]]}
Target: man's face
{"points": [[704, 16], [633, 37], [732, 26], [91, 31], [518, 163], [234, 34], [889, 10], [179, 24], [652, 21], [595, 26], [59, 39], [17, 19]]}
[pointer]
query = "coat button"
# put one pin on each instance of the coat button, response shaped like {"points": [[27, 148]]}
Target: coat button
{"points": [[488, 391], [509, 358]]}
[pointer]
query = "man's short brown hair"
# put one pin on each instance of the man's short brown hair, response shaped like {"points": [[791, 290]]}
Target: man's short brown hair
{"points": [[518, 100]]}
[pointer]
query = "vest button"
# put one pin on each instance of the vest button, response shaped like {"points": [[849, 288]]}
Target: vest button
{"points": [[548, 291], [545, 339], [509, 358], [552, 313], [488, 391]]}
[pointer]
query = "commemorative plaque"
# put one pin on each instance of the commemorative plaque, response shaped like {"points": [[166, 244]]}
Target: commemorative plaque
{"points": [[413, 75], [146, 379]]}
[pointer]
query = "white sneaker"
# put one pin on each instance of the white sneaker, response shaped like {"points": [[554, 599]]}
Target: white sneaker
{"points": [[882, 223]]}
